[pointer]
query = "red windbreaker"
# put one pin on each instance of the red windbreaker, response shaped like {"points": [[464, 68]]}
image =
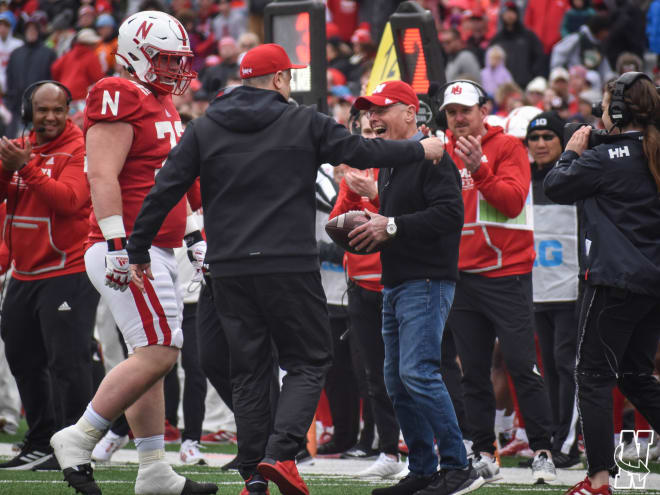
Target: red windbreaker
{"points": [[48, 206], [364, 269], [544, 18], [78, 69], [503, 181]]}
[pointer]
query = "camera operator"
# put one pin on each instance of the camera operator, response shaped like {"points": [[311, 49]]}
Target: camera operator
{"points": [[617, 186]]}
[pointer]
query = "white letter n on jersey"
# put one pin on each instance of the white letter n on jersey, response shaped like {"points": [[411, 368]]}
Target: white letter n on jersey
{"points": [[109, 102]]}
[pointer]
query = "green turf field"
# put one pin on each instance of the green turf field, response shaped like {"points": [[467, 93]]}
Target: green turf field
{"points": [[119, 479]]}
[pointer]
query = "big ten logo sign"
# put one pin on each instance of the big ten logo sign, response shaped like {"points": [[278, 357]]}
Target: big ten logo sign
{"points": [[549, 253]]}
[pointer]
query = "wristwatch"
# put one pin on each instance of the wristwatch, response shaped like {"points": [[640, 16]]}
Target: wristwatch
{"points": [[391, 227]]}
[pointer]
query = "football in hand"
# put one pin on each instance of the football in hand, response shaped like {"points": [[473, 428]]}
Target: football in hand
{"points": [[339, 227]]}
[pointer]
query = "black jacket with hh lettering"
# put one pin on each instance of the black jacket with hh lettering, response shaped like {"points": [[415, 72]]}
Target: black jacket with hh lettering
{"points": [[257, 157], [620, 207]]}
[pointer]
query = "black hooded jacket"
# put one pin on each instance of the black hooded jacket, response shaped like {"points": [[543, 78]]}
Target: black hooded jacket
{"points": [[620, 212], [524, 53], [27, 64], [257, 157]]}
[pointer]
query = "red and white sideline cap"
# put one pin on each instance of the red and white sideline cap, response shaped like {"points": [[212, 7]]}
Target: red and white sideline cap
{"points": [[461, 93], [388, 93], [265, 59]]}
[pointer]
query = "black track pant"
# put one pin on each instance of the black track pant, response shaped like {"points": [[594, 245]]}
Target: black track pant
{"points": [[341, 388], [619, 333], [214, 350], [557, 332], [289, 311], [213, 347], [365, 313], [452, 376], [194, 384], [485, 308], [47, 327]]}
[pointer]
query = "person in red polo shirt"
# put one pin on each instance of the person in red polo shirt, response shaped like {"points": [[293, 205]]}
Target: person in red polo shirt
{"points": [[49, 309]]}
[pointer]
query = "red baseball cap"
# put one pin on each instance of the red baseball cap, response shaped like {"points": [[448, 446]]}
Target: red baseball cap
{"points": [[361, 36], [266, 59], [388, 93]]}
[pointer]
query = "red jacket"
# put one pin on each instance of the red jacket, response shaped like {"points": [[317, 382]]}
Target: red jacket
{"points": [[49, 217], [78, 69], [502, 181], [364, 269], [544, 18]]}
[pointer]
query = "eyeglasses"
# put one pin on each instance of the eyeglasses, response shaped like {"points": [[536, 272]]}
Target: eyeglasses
{"points": [[545, 137], [376, 110]]}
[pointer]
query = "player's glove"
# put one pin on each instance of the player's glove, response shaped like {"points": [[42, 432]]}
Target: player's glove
{"points": [[117, 274], [196, 254]]}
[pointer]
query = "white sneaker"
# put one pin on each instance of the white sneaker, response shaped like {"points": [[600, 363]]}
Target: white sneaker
{"points": [[190, 454], [383, 467], [654, 449], [403, 473], [630, 452], [487, 467], [543, 469], [107, 446], [74, 444]]}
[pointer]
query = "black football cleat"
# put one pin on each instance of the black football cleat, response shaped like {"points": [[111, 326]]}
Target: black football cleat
{"points": [[81, 479], [194, 488]]}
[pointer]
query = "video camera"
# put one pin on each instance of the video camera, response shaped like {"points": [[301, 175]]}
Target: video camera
{"points": [[596, 136]]}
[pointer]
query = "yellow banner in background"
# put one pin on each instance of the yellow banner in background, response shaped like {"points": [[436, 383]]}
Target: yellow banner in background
{"points": [[386, 66]]}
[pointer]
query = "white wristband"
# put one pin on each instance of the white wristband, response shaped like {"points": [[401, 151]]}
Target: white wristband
{"points": [[112, 227], [191, 224]]}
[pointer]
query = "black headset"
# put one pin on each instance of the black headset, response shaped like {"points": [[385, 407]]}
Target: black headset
{"points": [[441, 117], [619, 113], [26, 99]]}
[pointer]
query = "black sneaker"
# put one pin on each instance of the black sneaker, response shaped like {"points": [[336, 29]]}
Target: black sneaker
{"points": [[303, 456], [49, 465], [330, 448], [81, 479], [255, 485], [454, 482], [233, 464], [195, 488], [360, 453], [28, 458], [564, 461], [408, 485]]}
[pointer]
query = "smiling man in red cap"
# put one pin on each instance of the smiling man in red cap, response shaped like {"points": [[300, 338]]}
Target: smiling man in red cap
{"points": [[257, 158], [419, 227]]}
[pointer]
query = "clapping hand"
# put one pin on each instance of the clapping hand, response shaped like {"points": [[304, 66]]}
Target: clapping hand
{"points": [[362, 183], [14, 157]]}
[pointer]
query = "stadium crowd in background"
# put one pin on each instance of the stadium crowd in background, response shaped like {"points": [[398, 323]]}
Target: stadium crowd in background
{"points": [[539, 64]]}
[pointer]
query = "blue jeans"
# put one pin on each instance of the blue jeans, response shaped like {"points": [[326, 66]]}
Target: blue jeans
{"points": [[414, 315]]}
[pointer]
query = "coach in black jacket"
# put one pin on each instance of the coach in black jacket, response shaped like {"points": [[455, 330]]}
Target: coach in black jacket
{"points": [[419, 227], [257, 158]]}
